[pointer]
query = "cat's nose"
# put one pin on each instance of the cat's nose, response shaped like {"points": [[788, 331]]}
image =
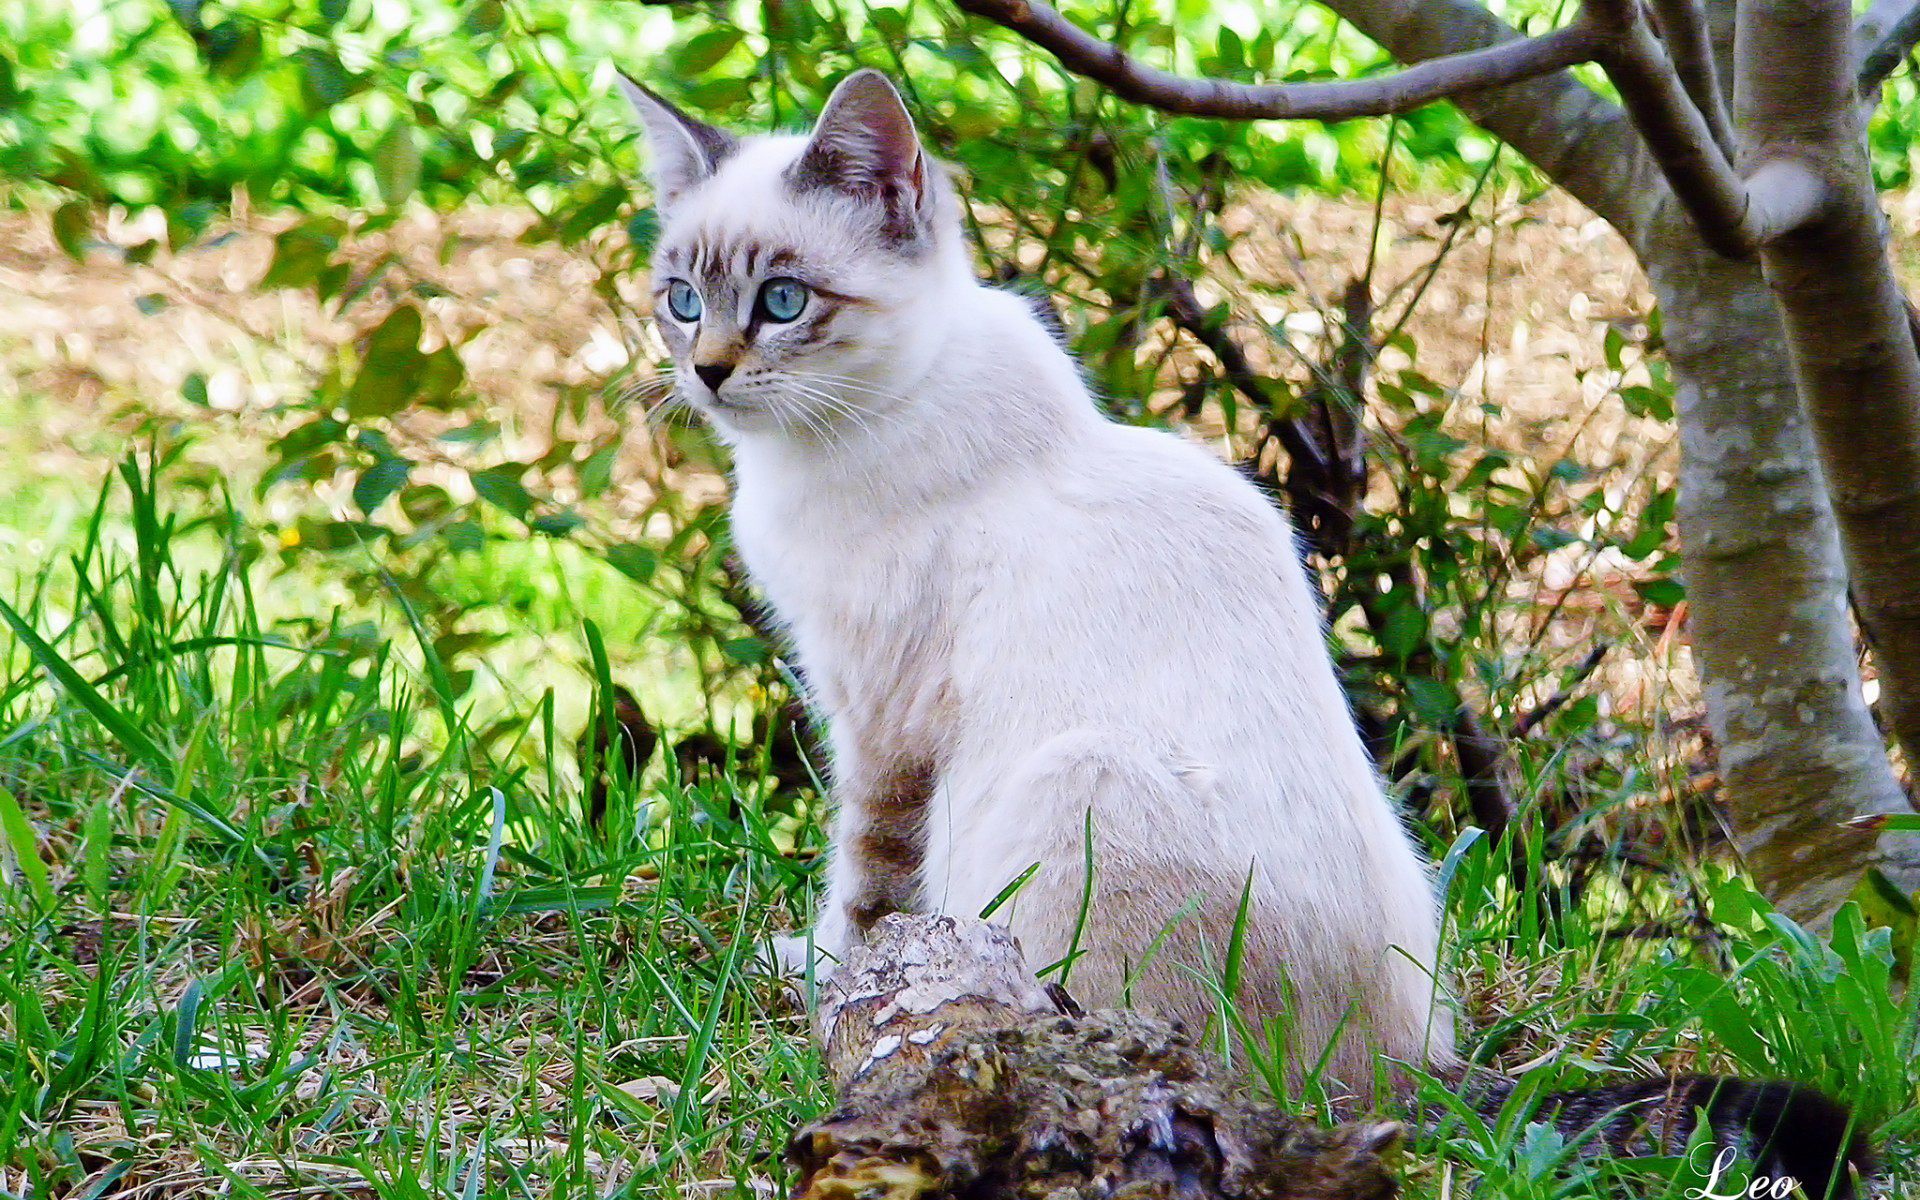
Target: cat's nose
{"points": [[713, 374]]}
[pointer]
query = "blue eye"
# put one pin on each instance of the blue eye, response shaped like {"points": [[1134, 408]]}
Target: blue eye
{"points": [[782, 299], [682, 301]]}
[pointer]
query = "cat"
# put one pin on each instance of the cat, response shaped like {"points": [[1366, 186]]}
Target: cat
{"points": [[1037, 636]]}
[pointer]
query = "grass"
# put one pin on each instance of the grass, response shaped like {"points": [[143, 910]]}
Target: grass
{"points": [[276, 921]]}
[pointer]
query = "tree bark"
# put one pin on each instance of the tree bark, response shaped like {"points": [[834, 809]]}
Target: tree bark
{"points": [[958, 1076], [1798, 749], [1760, 546], [1853, 352]]}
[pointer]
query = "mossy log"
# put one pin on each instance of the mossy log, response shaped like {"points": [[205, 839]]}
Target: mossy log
{"points": [[960, 1075]]}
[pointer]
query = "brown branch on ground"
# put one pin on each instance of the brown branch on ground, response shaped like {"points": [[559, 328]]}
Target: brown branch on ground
{"points": [[1436, 79], [957, 1076]]}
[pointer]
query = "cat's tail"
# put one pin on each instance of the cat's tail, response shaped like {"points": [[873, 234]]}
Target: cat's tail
{"points": [[1780, 1130]]}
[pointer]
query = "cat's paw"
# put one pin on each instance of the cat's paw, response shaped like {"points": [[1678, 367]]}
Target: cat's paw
{"points": [[796, 956]]}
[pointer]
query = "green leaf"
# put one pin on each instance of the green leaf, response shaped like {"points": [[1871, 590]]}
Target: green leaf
{"points": [[1403, 630], [643, 230], [1643, 401], [72, 225], [188, 14], [233, 48], [748, 651], [391, 369], [187, 223], [558, 524], [501, 487], [301, 253], [25, 848], [1434, 701], [396, 162], [323, 81], [379, 481], [596, 474], [441, 375], [464, 537], [1666, 593], [704, 51], [595, 212], [637, 563], [485, 17], [338, 535]]}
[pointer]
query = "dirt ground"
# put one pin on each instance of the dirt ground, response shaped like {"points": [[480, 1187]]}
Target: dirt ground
{"points": [[1512, 325]]}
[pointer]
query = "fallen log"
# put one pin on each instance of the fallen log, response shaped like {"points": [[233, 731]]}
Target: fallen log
{"points": [[959, 1075]]}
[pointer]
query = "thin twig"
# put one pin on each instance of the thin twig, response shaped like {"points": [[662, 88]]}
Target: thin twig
{"points": [[1435, 79], [1558, 700]]}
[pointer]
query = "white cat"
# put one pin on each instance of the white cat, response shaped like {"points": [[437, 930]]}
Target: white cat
{"points": [[1023, 621], [1028, 627]]}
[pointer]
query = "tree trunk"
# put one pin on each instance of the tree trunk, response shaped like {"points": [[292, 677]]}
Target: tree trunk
{"points": [[1759, 542], [958, 1076], [1853, 351], [1799, 752]]}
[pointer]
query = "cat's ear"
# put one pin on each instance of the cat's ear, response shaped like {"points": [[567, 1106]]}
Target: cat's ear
{"points": [[681, 152], [864, 146]]}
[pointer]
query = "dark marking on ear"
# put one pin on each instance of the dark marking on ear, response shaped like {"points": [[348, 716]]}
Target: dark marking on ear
{"points": [[864, 146], [683, 152]]}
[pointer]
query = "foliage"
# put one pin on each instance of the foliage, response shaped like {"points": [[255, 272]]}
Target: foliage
{"points": [[281, 913]]}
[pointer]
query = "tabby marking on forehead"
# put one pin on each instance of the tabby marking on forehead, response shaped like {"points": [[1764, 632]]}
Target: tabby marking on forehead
{"points": [[741, 255]]}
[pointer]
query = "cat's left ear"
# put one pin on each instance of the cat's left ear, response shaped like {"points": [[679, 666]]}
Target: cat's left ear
{"points": [[682, 152], [864, 146]]}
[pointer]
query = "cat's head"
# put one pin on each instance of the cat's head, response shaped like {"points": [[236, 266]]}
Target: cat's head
{"points": [[798, 279]]}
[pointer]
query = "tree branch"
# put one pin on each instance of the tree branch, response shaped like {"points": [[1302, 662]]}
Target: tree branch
{"points": [[1676, 109], [1436, 79], [1683, 28], [1885, 34], [1680, 139]]}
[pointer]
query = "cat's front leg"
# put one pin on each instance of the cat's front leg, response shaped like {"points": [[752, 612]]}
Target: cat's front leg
{"points": [[875, 861]]}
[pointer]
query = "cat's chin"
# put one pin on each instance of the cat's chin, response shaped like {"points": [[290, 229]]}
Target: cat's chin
{"points": [[733, 420]]}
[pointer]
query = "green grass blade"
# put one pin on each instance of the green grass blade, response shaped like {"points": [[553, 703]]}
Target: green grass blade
{"points": [[1007, 893], [130, 736], [186, 1024], [25, 847]]}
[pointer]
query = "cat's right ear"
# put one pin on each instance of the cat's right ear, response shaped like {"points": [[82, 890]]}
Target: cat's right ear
{"points": [[681, 152]]}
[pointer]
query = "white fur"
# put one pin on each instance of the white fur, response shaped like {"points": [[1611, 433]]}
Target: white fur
{"points": [[1067, 617]]}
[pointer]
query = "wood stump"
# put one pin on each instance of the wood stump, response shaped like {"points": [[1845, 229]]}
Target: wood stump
{"points": [[960, 1075]]}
